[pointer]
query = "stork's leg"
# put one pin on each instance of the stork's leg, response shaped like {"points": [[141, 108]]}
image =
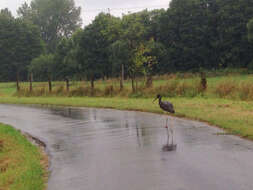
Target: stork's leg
{"points": [[168, 136], [172, 137], [168, 133], [172, 130]]}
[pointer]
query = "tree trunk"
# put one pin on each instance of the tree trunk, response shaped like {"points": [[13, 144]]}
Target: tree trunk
{"points": [[133, 87], [17, 81], [92, 82], [67, 84], [31, 82], [49, 83], [92, 85], [84, 84], [122, 77], [149, 81], [136, 85], [203, 81]]}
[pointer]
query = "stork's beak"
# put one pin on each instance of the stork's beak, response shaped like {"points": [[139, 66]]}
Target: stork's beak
{"points": [[155, 100]]}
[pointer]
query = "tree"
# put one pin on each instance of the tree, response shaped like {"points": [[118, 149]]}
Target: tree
{"points": [[20, 42], [90, 64], [133, 34], [136, 68], [66, 57], [137, 40], [107, 30], [94, 51], [250, 30], [185, 33], [153, 55], [6, 13], [55, 18], [250, 39], [119, 58], [233, 16], [43, 65]]}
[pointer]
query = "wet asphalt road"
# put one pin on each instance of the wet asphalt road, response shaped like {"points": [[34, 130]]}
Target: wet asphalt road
{"points": [[98, 149]]}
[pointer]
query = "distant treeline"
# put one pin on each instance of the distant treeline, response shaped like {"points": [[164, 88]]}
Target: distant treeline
{"points": [[46, 41]]}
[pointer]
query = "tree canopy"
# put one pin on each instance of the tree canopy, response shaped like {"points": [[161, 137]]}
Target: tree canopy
{"points": [[55, 18], [20, 42], [191, 35]]}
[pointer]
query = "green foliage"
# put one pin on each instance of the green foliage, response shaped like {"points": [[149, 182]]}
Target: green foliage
{"points": [[235, 50], [43, 66], [250, 66], [185, 34], [250, 30], [119, 55], [66, 56], [152, 54], [6, 13], [190, 35], [93, 54], [207, 34], [20, 42], [135, 32], [250, 39], [55, 18]]}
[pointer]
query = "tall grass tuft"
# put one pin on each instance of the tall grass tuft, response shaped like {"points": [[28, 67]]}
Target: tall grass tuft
{"points": [[109, 91], [226, 89], [245, 91]]}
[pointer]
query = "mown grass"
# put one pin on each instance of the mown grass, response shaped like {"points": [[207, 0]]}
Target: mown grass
{"points": [[20, 162], [233, 116]]}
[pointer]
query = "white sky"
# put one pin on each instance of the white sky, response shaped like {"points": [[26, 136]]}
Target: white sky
{"points": [[90, 8]]}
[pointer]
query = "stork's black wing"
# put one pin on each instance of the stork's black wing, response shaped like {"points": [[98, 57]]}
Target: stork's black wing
{"points": [[167, 106]]}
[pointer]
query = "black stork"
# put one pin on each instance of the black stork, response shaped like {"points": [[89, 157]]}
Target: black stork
{"points": [[168, 107]]}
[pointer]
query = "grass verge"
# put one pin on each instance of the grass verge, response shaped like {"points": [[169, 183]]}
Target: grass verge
{"points": [[233, 116], [22, 164]]}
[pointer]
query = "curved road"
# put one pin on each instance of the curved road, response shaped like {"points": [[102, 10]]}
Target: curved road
{"points": [[101, 149]]}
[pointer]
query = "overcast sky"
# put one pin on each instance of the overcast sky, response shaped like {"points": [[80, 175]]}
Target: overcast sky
{"points": [[90, 8]]}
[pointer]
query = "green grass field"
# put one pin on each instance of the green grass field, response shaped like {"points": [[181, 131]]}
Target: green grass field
{"points": [[21, 163]]}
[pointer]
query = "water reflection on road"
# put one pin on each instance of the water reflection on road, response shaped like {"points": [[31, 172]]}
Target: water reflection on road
{"points": [[100, 149]]}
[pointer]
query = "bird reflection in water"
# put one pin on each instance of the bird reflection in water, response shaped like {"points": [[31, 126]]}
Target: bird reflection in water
{"points": [[168, 107]]}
